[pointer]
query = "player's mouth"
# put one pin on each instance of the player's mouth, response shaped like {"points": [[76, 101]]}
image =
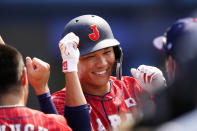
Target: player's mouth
{"points": [[101, 73]]}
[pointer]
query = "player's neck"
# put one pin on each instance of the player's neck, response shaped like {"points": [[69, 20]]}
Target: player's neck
{"points": [[11, 100], [93, 90]]}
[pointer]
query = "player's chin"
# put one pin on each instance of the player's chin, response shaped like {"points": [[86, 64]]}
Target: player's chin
{"points": [[101, 81]]}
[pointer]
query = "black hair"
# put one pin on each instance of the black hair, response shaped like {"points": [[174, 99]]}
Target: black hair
{"points": [[11, 65]]}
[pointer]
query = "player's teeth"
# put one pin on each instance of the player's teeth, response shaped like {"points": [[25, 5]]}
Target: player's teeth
{"points": [[102, 72]]}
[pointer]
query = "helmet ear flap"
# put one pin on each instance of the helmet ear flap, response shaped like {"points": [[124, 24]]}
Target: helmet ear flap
{"points": [[118, 53], [119, 58]]}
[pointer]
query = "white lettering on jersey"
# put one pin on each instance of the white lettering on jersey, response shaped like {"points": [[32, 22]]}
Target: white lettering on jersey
{"points": [[130, 102], [29, 127], [100, 125], [42, 128], [15, 126], [115, 121], [2, 128]]}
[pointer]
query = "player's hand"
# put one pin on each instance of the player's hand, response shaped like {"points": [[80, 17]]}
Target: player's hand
{"points": [[149, 77], [38, 74], [1, 41], [69, 52]]}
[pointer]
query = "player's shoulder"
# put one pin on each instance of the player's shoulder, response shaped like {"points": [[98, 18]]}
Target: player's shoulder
{"points": [[59, 94], [43, 115], [56, 119], [127, 79], [59, 100], [128, 82], [52, 117], [28, 110]]}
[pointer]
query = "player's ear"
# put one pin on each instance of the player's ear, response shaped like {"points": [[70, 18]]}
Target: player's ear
{"points": [[170, 68], [170, 64], [24, 80]]}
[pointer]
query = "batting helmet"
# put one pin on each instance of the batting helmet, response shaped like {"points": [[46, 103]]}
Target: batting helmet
{"points": [[179, 40], [95, 34]]}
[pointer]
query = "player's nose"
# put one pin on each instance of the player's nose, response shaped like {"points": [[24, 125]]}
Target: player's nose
{"points": [[101, 62]]}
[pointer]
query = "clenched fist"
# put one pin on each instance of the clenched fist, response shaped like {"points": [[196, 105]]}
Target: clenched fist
{"points": [[38, 74], [149, 77]]}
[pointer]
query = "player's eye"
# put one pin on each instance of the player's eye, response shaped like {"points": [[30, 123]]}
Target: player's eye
{"points": [[89, 57], [107, 52]]}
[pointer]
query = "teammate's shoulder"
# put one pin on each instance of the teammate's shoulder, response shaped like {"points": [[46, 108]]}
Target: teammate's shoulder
{"points": [[28, 110], [41, 114], [52, 117], [58, 119]]}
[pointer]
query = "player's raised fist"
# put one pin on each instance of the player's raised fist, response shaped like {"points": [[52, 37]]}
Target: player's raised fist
{"points": [[69, 52], [149, 77], [38, 74]]}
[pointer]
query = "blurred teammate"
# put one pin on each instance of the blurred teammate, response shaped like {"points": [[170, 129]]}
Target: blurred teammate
{"points": [[175, 40], [177, 104], [14, 93], [13, 97], [107, 96], [180, 46]]}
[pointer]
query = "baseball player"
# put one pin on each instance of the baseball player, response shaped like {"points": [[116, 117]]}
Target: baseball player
{"points": [[14, 115], [178, 102], [107, 96], [179, 45], [14, 92], [175, 35]]}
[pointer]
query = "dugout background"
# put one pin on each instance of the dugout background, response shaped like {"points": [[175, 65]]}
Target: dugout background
{"points": [[34, 27]]}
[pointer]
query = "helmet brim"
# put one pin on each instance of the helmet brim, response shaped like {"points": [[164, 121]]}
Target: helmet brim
{"points": [[100, 45], [158, 42]]}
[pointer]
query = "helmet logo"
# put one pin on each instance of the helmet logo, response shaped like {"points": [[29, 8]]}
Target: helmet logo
{"points": [[95, 35]]}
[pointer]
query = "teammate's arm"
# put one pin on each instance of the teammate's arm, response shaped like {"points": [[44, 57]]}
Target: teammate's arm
{"points": [[38, 75]]}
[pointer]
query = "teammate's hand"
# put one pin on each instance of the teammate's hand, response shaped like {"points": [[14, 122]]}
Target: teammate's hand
{"points": [[69, 52], [38, 74], [1, 41], [149, 77]]}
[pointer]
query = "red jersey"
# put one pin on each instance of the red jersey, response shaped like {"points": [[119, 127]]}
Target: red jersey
{"points": [[104, 110], [26, 119]]}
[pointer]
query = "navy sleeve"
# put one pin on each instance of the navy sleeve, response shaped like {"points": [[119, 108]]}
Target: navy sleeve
{"points": [[46, 104], [78, 117]]}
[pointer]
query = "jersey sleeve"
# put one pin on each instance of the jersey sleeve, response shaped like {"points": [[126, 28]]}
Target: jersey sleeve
{"points": [[78, 117], [138, 91], [46, 104], [58, 99]]}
